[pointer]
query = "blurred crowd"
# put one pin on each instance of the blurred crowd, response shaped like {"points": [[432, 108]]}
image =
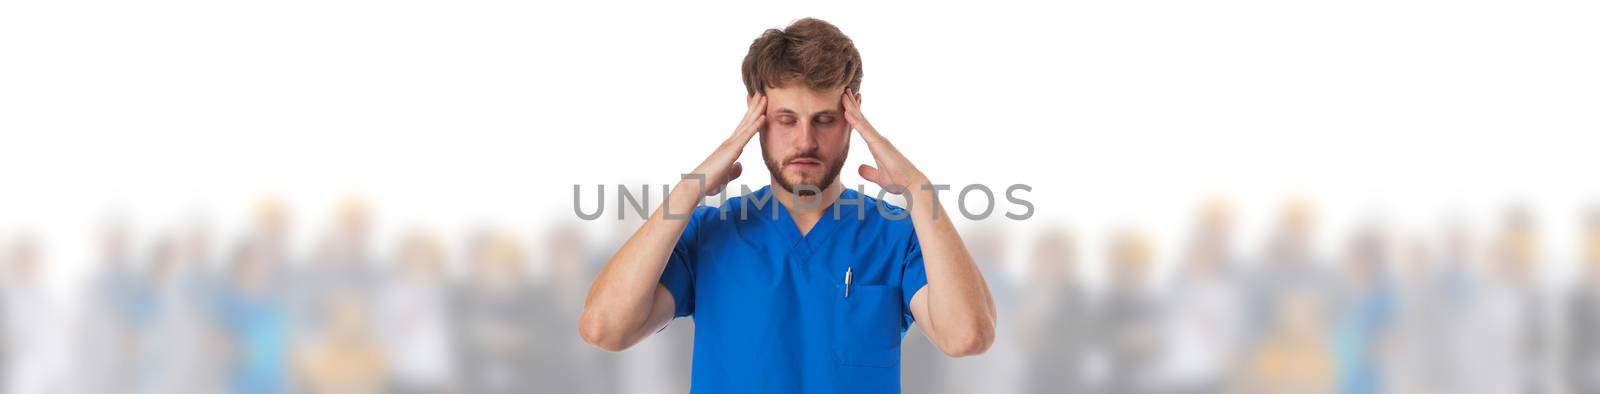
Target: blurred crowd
{"points": [[178, 312], [1454, 310], [1450, 310]]}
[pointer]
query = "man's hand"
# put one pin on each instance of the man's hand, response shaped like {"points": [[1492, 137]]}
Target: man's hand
{"points": [[723, 165], [626, 303], [893, 168], [955, 309]]}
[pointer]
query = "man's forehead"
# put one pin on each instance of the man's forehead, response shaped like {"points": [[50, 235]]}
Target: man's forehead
{"points": [[803, 100]]}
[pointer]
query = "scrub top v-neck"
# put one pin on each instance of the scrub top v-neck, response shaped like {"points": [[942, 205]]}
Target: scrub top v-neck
{"points": [[771, 310]]}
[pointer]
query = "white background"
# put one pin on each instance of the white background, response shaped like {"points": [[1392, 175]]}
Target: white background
{"points": [[1120, 114]]}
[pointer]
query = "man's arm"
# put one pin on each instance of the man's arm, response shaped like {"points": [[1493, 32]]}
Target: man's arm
{"points": [[627, 302], [954, 309]]}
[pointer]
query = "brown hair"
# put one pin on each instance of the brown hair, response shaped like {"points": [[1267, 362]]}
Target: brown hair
{"points": [[810, 51]]}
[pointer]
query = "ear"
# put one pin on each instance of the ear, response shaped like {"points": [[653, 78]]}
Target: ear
{"points": [[858, 98]]}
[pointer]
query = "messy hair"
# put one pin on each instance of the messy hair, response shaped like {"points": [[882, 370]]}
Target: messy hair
{"points": [[810, 51]]}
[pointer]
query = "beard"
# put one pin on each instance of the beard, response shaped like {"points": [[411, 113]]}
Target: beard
{"points": [[830, 170]]}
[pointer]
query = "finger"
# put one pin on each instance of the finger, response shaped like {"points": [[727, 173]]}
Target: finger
{"points": [[875, 176], [751, 129], [853, 116], [733, 173], [740, 138], [758, 106], [733, 147], [755, 104], [849, 102]]}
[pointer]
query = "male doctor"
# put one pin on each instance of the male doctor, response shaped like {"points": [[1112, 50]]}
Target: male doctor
{"points": [[803, 286]]}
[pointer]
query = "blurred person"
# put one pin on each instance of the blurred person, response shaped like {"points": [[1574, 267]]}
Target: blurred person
{"points": [[1582, 361], [108, 336], [195, 246], [269, 234], [1293, 355], [1421, 323], [1128, 327], [254, 303], [145, 365], [33, 341], [773, 309], [1289, 264], [1456, 286], [187, 294], [1203, 315], [344, 358], [497, 318], [176, 346], [1434, 320], [1508, 353], [341, 266], [414, 319], [1363, 322], [348, 262], [252, 312], [1054, 324]]}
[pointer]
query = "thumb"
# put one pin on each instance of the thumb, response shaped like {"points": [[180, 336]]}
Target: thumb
{"points": [[872, 174], [733, 173]]}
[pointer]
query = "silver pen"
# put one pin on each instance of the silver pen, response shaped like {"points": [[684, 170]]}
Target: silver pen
{"points": [[847, 281]]}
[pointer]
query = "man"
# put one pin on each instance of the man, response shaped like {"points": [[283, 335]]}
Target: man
{"points": [[805, 285]]}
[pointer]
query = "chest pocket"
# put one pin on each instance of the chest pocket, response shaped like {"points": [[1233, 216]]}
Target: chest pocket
{"points": [[866, 325]]}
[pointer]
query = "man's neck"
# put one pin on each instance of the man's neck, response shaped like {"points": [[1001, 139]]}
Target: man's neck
{"points": [[807, 210]]}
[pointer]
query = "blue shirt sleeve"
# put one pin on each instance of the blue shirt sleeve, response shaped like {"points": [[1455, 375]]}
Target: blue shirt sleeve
{"points": [[913, 275], [678, 276]]}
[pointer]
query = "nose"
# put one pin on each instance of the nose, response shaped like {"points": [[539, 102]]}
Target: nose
{"points": [[806, 138]]}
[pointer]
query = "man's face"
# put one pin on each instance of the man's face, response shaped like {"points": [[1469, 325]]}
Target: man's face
{"points": [[806, 139]]}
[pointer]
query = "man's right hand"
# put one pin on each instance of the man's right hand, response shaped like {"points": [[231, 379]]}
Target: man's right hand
{"points": [[723, 164]]}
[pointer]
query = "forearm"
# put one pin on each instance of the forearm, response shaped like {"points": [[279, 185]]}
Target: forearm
{"points": [[960, 308], [955, 308], [623, 296]]}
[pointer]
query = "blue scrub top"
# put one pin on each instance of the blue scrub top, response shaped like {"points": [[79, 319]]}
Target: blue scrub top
{"points": [[769, 305]]}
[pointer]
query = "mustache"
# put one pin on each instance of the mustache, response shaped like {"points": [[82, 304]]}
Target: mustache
{"points": [[805, 155]]}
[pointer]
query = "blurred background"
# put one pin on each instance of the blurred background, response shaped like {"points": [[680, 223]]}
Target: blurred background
{"points": [[350, 196]]}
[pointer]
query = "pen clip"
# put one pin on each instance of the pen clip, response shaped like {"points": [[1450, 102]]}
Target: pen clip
{"points": [[847, 272]]}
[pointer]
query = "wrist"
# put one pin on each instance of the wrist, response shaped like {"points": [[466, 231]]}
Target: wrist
{"points": [[919, 183], [926, 194], [684, 196], [692, 187]]}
